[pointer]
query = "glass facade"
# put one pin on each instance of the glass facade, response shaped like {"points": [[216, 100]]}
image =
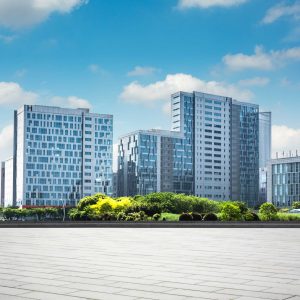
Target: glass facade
{"points": [[62, 155], [152, 161], [215, 153], [249, 154], [284, 178]]}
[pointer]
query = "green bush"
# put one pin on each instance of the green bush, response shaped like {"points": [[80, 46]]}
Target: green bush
{"points": [[296, 205], [196, 216], [210, 217], [230, 212], [185, 217], [156, 217], [251, 217], [89, 200], [268, 212], [136, 217], [288, 217], [121, 216], [242, 206]]}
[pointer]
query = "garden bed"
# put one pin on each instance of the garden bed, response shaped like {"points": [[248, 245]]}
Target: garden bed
{"points": [[147, 224]]}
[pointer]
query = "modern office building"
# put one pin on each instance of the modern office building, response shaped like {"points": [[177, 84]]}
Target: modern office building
{"points": [[283, 177], [2, 183], [7, 192], [204, 120], [61, 155], [154, 161], [245, 152], [265, 142], [217, 152]]}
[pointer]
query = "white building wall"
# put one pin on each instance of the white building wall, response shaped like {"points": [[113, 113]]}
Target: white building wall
{"points": [[8, 195], [212, 146], [62, 155]]}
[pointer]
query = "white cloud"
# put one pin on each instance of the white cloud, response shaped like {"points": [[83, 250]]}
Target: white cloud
{"points": [[285, 139], [282, 10], [7, 39], [22, 13], [6, 144], [94, 68], [142, 71], [162, 90], [256, 81], [261, 60], [12, 93], [71, 102], [209, 3]]}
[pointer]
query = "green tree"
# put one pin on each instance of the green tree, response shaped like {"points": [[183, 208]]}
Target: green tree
{"points": [[268, 212]]}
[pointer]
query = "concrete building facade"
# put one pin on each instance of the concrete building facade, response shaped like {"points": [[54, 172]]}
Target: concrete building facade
{"points": [[216, 152], [283, 177], [61, 155]]}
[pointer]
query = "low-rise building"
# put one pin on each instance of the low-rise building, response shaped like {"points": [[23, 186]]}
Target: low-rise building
{"points": [[283, 181]]}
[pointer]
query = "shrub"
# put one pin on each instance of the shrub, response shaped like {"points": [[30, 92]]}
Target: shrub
{"points": [[296, 205], [108, 217], [203, 205], [230, 212], [196, 217], [156, 217], [89, 200], [288, 217], [242, 206], [121, 216], [210, 217], [268, 212], [185, 217], [74, 214], [251, 217], [136, 217]]}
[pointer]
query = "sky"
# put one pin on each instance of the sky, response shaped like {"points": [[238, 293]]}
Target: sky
{"points": [[126, 57]]}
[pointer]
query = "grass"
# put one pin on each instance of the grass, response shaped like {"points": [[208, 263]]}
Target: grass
{"points": [[170, 217], [288, 217]]}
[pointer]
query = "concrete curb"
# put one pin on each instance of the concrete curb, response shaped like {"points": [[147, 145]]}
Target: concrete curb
{"points": [[91, 224]]}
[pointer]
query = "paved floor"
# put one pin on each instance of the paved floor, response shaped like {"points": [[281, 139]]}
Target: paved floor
{"points": [[100, 263]]}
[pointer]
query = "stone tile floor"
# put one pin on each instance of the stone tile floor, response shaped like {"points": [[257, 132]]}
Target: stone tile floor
{"points": [[103, 263]]}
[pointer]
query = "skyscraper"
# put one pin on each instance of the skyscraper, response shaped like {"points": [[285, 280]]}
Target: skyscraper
{"points": [[265, 142], [61, 155], [219, 149]]}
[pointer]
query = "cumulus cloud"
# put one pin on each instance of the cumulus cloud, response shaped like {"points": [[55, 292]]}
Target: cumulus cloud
{"points": [[282, 10], [17, 14], [6, 144], [285, 139], [162, 90], [256, 81], [142, 71], [261, 60], [209, 3], [11, 93], [71, 102]]}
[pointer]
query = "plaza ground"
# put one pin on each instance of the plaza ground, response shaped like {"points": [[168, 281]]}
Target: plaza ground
{"points": [[152, 263]]}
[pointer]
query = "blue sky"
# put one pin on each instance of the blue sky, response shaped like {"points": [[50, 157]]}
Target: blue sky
{"points": [[125, 57]]}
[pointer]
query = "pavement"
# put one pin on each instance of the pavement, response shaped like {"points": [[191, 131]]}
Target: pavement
{"points": [[149, 263]]}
